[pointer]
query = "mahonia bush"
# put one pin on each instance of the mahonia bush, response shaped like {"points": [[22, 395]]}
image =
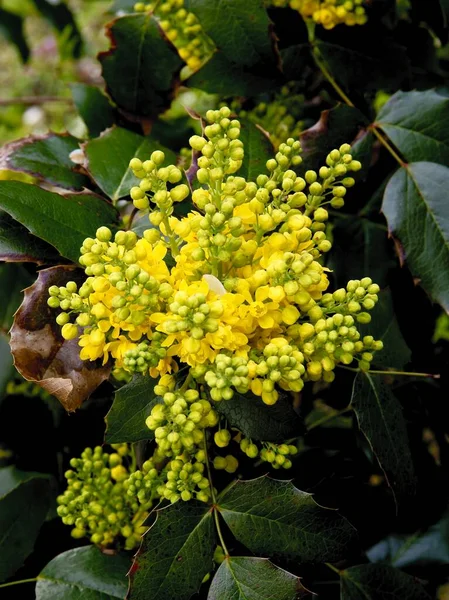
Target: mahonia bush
{"points": [[182, 28], [232, 298]]}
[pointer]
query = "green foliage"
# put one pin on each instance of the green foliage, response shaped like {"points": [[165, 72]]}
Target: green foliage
{"points": [[361, 425]]}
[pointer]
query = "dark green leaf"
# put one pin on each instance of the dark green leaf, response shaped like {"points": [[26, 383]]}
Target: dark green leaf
{"points": [[258, 149], [13, 279], [373, 63], [247, 578], [259, 421], [84, 573], [40, 352], [275, 518], [221, 76], [18, 245], [384, 326], [418, 125], [240, 30], [380, 419], [360, 249], [379, 582], [337, 126], [108, 159], [176, 553], [11, 27], [417, 213], [93, 107], [62, 221], [24, 502], [125, 422], [430, 547], [59, 15], [141, 69], [46, 158]]}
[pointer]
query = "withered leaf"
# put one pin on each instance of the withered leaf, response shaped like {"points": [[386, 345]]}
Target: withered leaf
{"points": [[40, 352]]}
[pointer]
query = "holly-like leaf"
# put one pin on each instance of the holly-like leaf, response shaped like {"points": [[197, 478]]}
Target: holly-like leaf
{"points": [[176, 553], [62, 221], [141, 69], [418, 125], [249, 578], [221, 76], [379, 582], [108, 159], [417, 213], [11, 27], [40, 352], [258, 149], [13, 279], [240, 30], [259, 421], [274, 518], [125, 422], [46, 158], [18, 245], [380, 419], [84, 573], [93, 106], [336, 126], [24, 502]]}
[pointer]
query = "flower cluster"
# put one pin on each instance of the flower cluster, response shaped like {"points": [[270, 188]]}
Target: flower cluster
{"points": [[328, 13], [231, 298], [183, 29], [95, 502]]}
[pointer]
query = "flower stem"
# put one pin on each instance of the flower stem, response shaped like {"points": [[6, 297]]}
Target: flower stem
{"points": [[391, 372], [214, 500]]}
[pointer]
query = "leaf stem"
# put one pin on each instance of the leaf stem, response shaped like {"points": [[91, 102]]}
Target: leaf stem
{"points": [[386, 144], [390, 372], [333, 568], [214, 500], [10, 583], [329, 417]]}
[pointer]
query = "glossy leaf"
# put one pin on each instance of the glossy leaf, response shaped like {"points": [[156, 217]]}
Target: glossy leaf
{"points": [[258, 149], [62, 221], [417, 213], [380, 419], [221, 76], [259, 421], [108, 159], [13, 280], [248, 578], [240, 30], [418, 125], [24, 502], [40, 352], [93, 107], [84, 573], [379, 582], [132, 405], [335, 127], [47, 159], [176, 553], [141, 69], [18, 245], [274, 518]]}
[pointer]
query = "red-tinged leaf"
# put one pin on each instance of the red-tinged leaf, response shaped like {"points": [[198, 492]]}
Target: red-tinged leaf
{"points": [[40, 352]]}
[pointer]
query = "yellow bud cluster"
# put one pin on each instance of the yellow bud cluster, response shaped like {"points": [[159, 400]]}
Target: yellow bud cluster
{"points": [[330, 13], [183, 30]]}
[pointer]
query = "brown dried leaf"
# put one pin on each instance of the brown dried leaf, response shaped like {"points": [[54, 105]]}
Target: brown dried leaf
{"points": [[40, 352]]}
